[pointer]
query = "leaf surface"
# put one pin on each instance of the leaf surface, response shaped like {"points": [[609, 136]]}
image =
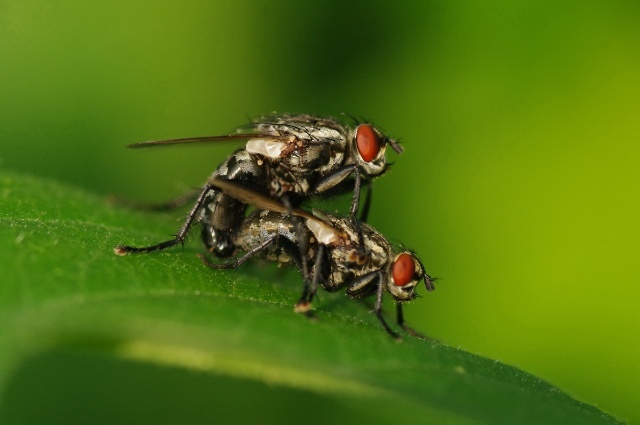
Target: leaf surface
{"points": [[72, 311]]}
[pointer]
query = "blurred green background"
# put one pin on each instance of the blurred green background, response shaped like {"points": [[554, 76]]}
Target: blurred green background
{"points": [[518, 187]]}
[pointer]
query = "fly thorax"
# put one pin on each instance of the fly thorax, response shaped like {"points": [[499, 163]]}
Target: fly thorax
{"points": [[282, 181], [357, 258], [341, 272]]}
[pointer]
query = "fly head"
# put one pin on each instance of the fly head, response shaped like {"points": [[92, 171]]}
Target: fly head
{"points": [[368, 149], [405, 272]]}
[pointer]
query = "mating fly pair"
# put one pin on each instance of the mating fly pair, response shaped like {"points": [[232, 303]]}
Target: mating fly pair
{"points": [[289, 158]]}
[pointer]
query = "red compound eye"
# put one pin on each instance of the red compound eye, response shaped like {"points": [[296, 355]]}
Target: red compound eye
{"points": [[403, 270], [367, 141]]}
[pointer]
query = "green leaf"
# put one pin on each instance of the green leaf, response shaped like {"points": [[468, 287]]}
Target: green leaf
{"points": [[87, 336]]}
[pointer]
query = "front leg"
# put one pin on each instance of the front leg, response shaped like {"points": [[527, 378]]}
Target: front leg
{"points": [[364, 214], [378, 310], [337, 180], [334, 179], [400, 320], [365, 285]]}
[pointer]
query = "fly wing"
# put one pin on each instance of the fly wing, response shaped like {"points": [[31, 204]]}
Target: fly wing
{"points": [[303, 128], [256, 199], [204, 139], [329, 233]]}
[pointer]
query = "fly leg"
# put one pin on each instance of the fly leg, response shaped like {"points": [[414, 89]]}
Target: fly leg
{"points": [[236, 262], [400, 320], [364, 214], [336, 180], [354, 207], [179, 238], [338, 177], [378, 310], [363, 286], [309, 291], [304, 304]]}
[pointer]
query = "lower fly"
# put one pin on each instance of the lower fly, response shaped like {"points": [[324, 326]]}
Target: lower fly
{"points": [[330, 251]]}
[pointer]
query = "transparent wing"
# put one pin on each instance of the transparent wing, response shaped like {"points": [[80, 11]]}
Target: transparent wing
{"points": [[204, 139], [261, 201]]}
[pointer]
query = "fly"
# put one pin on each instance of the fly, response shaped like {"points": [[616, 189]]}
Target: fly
{"points": [[336, 255], [287, 157]]}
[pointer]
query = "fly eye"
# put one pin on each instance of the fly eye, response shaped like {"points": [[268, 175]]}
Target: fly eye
{"points": [[367, 142], [403, 270]]}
